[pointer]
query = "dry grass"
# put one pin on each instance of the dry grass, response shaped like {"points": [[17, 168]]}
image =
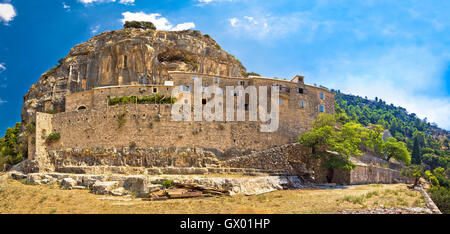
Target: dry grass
{"points": [[16, 197]]}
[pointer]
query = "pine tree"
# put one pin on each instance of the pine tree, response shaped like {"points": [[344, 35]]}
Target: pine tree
{"points": [[416, 157]]}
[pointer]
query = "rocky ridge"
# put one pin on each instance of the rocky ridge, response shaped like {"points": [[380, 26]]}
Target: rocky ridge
{"points": [[125, 57]]}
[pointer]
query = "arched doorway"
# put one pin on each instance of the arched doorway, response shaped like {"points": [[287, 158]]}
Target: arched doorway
{"points": [[82, 108]]}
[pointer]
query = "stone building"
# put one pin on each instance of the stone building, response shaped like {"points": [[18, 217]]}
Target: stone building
{"points": [[90, 128]]}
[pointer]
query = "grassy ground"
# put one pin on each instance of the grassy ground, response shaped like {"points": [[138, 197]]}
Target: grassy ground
{"points": [[16, 197]]}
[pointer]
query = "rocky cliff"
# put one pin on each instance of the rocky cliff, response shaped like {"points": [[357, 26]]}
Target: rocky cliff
{"points": [[123, 57]]}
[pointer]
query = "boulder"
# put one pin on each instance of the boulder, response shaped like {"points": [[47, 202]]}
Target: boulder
{"points": [[18, 175], [68, 183], [139, 185], [119, 192], [104, 187], [26, 166], [35, 178]]}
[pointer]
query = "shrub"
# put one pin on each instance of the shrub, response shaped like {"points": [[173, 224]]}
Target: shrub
{"points": [[354, 199], [11, 151], [140, 24], [441, 197], [53, 137], [51, 111], [121, 120], [133, 145], [157, 99], [168, 184], [31, 128], [253, 74]]}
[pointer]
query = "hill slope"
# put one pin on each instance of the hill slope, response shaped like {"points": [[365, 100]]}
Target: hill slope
{"points": [[427, 142]]}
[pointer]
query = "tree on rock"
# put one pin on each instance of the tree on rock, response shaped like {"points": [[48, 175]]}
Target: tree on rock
{"points": [[140, 24]]}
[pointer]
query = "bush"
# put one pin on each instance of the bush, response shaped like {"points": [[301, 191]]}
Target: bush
{"points": [[31, 128], [53, 137], [168, 184], [157, 99], [441, 197], [11, 151], [140, 24], [121, 120], [252, 74]]}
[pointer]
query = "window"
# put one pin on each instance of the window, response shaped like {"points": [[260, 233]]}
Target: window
{"points": [[155, 90], [280, 101], [246, 107], [322, 95], [204, 101], [241, 82], [186, 101], [194, 77], [125, 58], [321, 108], [300, 90], [216, 80], [302, 104]]}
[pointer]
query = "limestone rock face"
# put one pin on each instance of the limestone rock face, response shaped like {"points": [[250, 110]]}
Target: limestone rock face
{"points": [[124, 57]]}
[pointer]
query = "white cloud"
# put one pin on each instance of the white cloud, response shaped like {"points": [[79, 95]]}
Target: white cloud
{"points": [[7, 12], [183, 26], [233, 22], [65, 6], [410, 77], [95, 29], [266, 26], [203, 2], [161, 23], [2, 101], [90, 2], [3, 68], [127, 2]]}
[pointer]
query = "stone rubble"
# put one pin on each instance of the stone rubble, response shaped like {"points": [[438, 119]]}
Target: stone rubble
{"points": [[146, 185], [390, 210]]}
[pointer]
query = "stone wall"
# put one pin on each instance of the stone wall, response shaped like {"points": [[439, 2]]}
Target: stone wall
{"points": [[293, 159], [133, 157], [375, 175], [149, 125]]}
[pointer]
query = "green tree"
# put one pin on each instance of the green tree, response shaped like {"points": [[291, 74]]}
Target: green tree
{"points": [[416, 155], [11, 151], [326, 135], [321, 135], [140, 24], [396, 149], [416, 171]]}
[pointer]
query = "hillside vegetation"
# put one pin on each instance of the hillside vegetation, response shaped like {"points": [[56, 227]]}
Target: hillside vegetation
{"points": [[427, 143]]}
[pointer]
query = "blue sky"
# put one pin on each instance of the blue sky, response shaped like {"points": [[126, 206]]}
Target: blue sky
{"points": [[398, 51]]}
